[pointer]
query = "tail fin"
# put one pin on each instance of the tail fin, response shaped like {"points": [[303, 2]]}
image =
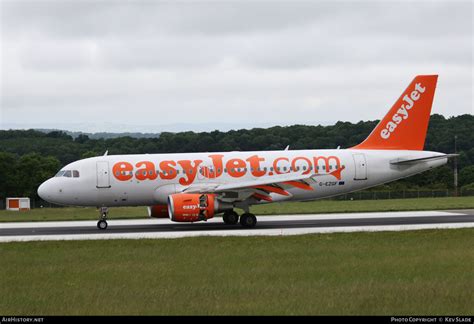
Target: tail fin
{"points": [[405, 125]]}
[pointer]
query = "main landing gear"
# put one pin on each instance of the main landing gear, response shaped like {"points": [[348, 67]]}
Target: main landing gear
{"points": [[247, 220], [230, 217], [102, 223]]}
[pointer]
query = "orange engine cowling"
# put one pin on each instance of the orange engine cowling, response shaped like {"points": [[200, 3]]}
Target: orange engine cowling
{"points": [[192, 207], [158, 211]]}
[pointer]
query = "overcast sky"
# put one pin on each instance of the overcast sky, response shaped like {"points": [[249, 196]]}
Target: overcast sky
{"points": [[151, 66]]}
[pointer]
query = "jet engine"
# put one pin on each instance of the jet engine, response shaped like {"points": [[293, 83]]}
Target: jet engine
{"points": [[158, 211], [194, 207]]}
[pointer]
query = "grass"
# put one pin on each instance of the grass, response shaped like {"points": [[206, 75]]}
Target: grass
{"points": [[314, 207], [393, 273]]}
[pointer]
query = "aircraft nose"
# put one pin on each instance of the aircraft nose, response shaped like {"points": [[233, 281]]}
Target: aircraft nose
{"points": [[44, 190]]}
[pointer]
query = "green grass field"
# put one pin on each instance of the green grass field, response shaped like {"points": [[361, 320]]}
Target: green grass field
{"points": [[386, 273], [314, 207]]}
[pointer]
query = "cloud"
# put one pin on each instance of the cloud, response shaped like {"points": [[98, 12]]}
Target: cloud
{"points": [[227, 62]]}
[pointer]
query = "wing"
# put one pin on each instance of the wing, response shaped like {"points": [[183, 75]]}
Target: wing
{"points": [[262, 188]]}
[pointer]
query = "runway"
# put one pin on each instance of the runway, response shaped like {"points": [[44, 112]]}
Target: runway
{"points": [[267, 226]]}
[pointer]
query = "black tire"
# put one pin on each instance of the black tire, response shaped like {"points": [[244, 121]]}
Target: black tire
{"points": [[230, 218], [102, 224], [248, 220]]}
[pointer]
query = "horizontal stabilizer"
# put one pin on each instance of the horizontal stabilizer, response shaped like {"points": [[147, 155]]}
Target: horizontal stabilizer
{"points": [[425, 159]]}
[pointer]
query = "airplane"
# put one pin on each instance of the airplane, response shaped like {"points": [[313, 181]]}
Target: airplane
{"points": [[193, 187]]}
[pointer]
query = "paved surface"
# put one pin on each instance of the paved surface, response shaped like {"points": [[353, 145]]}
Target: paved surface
{"points": [[267, 225]]}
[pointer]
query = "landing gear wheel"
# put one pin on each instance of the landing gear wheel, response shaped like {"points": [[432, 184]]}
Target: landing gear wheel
{"points": [[102, 224], [248, 220], [230, 217]]}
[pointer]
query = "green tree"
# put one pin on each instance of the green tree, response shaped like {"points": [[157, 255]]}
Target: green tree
{"points": [[8, 175], [32, 170], [466, 175]]}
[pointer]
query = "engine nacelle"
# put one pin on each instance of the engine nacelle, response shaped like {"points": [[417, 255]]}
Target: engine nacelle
{"points": [[193, 207], [158, 211]]}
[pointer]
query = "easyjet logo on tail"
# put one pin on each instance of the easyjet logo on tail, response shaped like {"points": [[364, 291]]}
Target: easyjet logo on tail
{"points": [[403, 112]]}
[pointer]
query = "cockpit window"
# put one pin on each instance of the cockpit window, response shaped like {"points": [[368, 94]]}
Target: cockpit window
{"points": [[68, 174]]}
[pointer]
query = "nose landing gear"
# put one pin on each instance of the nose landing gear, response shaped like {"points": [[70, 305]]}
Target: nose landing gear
{"points": [[102, 223]]}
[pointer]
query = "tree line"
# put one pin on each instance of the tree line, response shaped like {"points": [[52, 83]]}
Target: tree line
{"points": [[28, 157]]}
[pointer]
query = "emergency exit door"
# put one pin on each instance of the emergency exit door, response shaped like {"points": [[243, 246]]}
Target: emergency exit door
{"points": [[360, 166]]}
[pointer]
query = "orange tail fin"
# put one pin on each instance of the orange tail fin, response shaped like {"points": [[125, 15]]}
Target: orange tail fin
{"points": [[405, 125]]}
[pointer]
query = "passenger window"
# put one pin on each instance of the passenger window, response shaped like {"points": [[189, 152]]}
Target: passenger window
{"points": [[75, 174]]}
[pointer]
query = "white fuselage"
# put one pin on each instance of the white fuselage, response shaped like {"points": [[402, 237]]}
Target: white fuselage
{"points": [[148, 179]]}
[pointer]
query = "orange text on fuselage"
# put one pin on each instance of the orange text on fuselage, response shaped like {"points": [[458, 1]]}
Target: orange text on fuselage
{"points": [[186, 171]]}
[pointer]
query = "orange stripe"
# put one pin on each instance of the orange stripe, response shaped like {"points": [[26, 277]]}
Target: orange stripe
{"points": [[299, 185], [337, 173], [262, 197], [273, 189]]}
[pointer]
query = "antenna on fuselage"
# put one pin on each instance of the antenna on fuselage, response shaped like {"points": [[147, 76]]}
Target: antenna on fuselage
{"points": [[287, 147], [106, 153]]}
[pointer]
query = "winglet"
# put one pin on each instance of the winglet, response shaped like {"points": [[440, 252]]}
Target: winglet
{"points": [[406, 124]]}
